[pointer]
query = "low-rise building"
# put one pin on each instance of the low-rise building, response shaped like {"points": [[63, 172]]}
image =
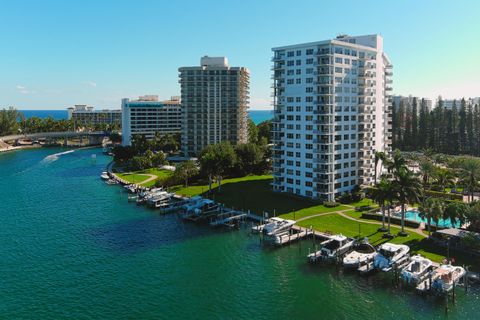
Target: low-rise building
{"points": [[147, 115], [84, 115]]}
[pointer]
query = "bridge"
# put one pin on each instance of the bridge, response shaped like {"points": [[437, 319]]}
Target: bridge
{"points": [[93, 136]]}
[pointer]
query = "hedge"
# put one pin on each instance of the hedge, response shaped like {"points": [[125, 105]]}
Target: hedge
{"points": [[449, 196]]}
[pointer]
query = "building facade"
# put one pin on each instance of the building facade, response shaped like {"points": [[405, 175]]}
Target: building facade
{"points": [[215, 100], [332, 113], [83, 115], [408, 100], [147, 116]]}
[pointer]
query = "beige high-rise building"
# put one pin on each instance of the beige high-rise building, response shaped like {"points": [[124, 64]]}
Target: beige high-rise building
{"points": [[215, 100]]}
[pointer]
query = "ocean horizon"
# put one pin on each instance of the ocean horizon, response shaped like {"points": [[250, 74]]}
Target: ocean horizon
{"points": [[257, 116]]}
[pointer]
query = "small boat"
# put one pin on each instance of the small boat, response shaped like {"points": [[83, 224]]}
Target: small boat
{"points": [[445, 276], [110, 182], [199, 207], [362, 253], [416, 270], [332, 248], [390, 255], [276, 226], [105, 176]]}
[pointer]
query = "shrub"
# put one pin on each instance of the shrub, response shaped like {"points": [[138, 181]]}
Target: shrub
{"points": [[330, 204], [363, 208]]}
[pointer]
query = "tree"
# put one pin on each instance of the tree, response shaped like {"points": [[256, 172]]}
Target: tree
{"points": [[217, 159], [431, 209], [249, 158], [414, 139], [380, 195], [252, 131], [456, 212], [408, 190], [265, 132], [462, 126], [185, 171], [423, 125], [379, 156], [443, 177], [8, 121], [470, 173], [427, 170]]}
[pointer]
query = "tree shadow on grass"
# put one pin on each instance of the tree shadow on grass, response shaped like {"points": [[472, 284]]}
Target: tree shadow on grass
{"points": [[258, 196]]}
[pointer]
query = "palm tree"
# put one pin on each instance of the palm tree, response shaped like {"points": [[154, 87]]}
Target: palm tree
{"points": [[456, 212], [397, 162], [379, 156], [430, 210], [427, 170], [444, 177], [470, 171], [380, 196], [408, 190]]}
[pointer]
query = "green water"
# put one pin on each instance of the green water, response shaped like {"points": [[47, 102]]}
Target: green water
{"points": [[73, 247]]}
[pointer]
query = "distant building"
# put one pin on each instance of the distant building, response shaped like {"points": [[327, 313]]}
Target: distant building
{"points": [[215, 100], [147, 116], [83, 115], [332, 113], [448, 103], [408, 100]]}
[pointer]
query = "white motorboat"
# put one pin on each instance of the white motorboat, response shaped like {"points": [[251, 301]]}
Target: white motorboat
{"points": [[276, 226], [416, 270], [362, 253], [199, 207], [445, 276], [332, 248], [390, 254], [110, 182], [105, 176]]}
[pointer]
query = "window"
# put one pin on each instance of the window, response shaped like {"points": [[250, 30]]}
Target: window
{"points": [[309, 52], [290, 54], [338, 60], [298, 71], [309, 89], [309, 71], [298, 80], [309, 61], [299, 52], [289, 81], [338, 70], [309, 80], [298, 62], [338, 50], [290, 63], [290, 72]]}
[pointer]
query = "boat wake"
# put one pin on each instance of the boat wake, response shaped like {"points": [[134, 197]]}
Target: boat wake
{"points": [[54, 157]]}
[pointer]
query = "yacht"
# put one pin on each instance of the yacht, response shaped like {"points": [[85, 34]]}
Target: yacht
{"points": [[390, 254], [199, 207], [276, 226], [332, 248], [416, 270], [445, 276], [105, 175], [362, 253]]}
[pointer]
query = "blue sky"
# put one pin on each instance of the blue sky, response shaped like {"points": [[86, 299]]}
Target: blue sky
{"points": [[59, 53]]}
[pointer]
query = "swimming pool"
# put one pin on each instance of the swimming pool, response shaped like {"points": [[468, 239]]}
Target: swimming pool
{"points": [[413, 215]]}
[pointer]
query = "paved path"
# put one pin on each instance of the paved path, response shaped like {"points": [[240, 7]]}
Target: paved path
{"points": [[151, 177], [342, 213], [321, 214]]}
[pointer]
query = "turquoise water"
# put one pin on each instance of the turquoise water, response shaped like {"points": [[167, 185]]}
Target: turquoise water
{"points": [[72, 247], [256, 115], [446, 223]]}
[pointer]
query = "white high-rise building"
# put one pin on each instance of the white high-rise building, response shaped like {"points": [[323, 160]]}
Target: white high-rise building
{"points": [[147, 116], [332, 113]]}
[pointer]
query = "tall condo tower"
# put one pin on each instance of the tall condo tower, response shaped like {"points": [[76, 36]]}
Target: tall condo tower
{"points": [[332, 113], [215, 100]]}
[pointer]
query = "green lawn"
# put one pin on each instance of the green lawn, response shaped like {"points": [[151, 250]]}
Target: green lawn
{"points": [[141, 175], [337, 224], [255, 193]]}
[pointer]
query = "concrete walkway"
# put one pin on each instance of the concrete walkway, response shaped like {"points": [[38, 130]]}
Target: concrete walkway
{"points": [[346, 216]]}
